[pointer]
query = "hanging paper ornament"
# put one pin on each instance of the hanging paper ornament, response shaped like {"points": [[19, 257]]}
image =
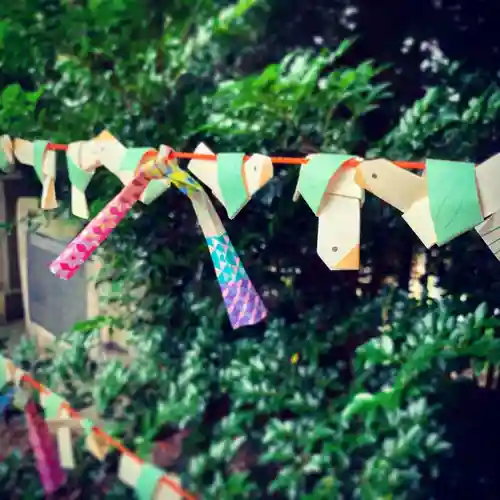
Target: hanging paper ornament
{"points": [[99, 228], [336, 199], [80, 173], [51, 473], [243, 304], [54, 407], [43, 160], [232, 180]]}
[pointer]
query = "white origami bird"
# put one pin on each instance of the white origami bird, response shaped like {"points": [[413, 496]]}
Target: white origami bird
{"points": [[232, 180], [123, 162], [449, 199], [329, 189], [81, 169], [43, 160]]}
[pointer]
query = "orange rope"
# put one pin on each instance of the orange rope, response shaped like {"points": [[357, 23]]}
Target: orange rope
{"points": [[353, 162], [107, 438]]}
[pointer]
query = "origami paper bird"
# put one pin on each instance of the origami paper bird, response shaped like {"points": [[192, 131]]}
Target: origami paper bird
{"points": [[439, 206], [6, 153], [334, 197], [81, 168], [54, 408], [232, 181], [43, 161], [123, 162]]}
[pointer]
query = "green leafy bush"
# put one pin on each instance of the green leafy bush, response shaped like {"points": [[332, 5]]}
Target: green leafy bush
{"points": [[349, 391]]}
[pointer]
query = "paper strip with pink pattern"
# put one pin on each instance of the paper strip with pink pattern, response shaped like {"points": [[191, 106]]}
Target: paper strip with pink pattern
{"points": [[98, 229], [52, 475]]}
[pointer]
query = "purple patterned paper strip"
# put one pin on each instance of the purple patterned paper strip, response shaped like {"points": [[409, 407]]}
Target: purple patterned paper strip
{"points": [[243, 303]]}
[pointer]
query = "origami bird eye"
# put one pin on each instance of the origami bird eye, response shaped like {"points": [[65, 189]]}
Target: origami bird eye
{"points": [[374, 176]]}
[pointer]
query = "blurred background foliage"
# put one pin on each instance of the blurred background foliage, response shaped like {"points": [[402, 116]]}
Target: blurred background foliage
{"points": [[362, 385]]}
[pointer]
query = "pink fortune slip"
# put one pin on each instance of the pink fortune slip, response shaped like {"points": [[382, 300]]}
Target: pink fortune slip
{"points": [[98, 229], [52, 475]]}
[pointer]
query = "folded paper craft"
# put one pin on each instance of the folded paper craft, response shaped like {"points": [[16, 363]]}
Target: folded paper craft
{"points": [[489, 230], [81, 169], [146, 480], [52, 476], [243, 304], [6, 153], [97, 230], [43, 160], [123, 162], [55, 408], [7, 372], [438, 206], [232, 180], [334, 197]]}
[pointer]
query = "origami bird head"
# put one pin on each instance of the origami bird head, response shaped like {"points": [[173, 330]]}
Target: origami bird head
{"points": [[108, 150], [85, 154], [392, 184], [257, 171]]}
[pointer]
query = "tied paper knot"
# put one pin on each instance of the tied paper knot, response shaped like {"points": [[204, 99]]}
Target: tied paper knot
{"points": [[157, 164]]}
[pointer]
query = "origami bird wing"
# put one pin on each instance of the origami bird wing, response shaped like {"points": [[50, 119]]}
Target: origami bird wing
{"points": [[80, 173], [489, 230], [488, 185]]}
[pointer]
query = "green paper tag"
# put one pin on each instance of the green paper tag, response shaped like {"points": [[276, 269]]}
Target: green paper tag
{"points": [[148, 481], [78, 177], [87, 425], [132, 158], [52, 404], [315, 176], [4, 161], [39, 148], [231, 182], [453, 198], [3, 372]]}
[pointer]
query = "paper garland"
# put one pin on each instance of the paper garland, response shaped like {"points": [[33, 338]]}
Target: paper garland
{"points": [[451, 198], [435, 215], [333, 195], [149, 482], [243, 304]]}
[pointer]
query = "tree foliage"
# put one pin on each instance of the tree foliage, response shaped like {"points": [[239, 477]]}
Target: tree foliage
{"points": [[346, 392]]}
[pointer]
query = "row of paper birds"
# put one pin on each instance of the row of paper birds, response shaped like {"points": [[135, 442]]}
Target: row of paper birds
{"points": [[448, 200]]}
